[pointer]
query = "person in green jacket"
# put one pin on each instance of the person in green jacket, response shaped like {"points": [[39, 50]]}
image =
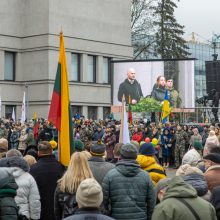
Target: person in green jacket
{"points": [[179, 201]]}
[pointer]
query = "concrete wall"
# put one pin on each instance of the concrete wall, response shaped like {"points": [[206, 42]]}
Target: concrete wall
{"points": [[30, 28]]}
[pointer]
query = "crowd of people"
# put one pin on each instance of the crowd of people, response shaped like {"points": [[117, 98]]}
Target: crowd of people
{"points": [[106, 179]]}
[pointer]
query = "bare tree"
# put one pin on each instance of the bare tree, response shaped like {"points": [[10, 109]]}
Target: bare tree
{"points": [[142, 27]]}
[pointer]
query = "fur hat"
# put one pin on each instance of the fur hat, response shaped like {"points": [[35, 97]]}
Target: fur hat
{"points": [[89, 194], [187, 169], [147, 149], [128, 151]]}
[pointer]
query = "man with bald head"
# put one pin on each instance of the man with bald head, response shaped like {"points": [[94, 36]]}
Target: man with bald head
{"points": [[130, 87]]}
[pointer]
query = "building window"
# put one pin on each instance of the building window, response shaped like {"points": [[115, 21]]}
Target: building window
{"points": [[91, 76], [106, 112], [106, 70], [76, 110], [9, 66], [9, 110], [92, 112], [75, 67]]}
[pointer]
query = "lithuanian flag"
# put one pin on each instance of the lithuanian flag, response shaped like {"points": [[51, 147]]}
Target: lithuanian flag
{"points": [[60, 113], [36, 126], [166, 108]]}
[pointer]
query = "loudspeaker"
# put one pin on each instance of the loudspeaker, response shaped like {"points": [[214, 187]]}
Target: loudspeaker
{"points": [[212, 75]]}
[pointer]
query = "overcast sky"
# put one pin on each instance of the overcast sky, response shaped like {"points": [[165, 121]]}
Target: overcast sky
{"points": [[199, 16]]}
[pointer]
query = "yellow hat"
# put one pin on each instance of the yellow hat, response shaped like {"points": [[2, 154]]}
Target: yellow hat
{"points": [[53, 144]]}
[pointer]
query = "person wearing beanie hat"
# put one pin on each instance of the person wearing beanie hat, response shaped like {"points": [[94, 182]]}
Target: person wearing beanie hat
{"points": [[148, 163], [128, 151], [127, 189], [53, 144], [193, 156], [89, 197], [212, 173], [97, 163], [79, 145]]}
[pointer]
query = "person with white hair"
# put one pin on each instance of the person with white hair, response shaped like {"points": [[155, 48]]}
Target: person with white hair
{"points": [[130, 87]]}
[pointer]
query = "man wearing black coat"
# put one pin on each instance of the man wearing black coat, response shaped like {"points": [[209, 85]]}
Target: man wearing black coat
{"points": [[46, 172], [130, 87]]}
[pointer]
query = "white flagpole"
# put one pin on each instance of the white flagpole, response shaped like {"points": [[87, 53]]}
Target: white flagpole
{"points": [[124, 131], [13, 114], [23, 110]]}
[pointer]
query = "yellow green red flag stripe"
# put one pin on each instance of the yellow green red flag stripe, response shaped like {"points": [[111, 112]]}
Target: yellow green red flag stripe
{"points": [[60, 113]]}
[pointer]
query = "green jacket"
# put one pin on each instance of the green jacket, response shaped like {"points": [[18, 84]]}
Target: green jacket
{"points": [[129, 192], [171, 208], [8, 187]]}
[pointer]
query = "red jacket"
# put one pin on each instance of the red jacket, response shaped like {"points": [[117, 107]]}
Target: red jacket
{"points": [[137, 137]]}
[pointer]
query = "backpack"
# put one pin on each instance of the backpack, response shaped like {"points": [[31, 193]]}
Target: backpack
{"points": [[69, 204]]}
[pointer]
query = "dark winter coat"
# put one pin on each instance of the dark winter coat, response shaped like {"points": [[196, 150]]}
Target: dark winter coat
{"points": [[172, 208], [110, 141], [158, 93], [99, 168], [14, 140], [215, 200], [88, 213], [59, 200], [126, 88], [198, 182], [129, 190], [97, 135], [8, 187], [46, 172], [166, 143]]}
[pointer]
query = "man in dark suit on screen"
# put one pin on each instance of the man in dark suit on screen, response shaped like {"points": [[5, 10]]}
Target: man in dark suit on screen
{"points": [[130, 87]]}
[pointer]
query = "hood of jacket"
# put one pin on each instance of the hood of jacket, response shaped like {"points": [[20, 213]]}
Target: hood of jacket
{"points": [[7, 181], [198, 182], [128, 168], [15, 162], [179, 189], [148, 162]]}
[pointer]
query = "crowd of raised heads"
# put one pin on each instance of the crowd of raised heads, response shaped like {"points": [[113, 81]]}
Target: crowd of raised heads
{"points": [[166, 172]]}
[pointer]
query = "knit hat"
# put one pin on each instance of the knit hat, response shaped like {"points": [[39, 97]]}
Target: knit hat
{"points": [[187, 169], [3, 145], [53, 144], [197, 145], [147, 149], [213, 157], [97, 149], [128, 151], [89, 194], [79, 145], [163, 183]]}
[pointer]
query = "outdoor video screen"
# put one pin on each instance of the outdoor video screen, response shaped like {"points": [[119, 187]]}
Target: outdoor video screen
{"points": [[136, 79]]}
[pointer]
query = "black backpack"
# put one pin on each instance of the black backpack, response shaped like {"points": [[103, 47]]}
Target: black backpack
{"points": [[69, 204]]}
